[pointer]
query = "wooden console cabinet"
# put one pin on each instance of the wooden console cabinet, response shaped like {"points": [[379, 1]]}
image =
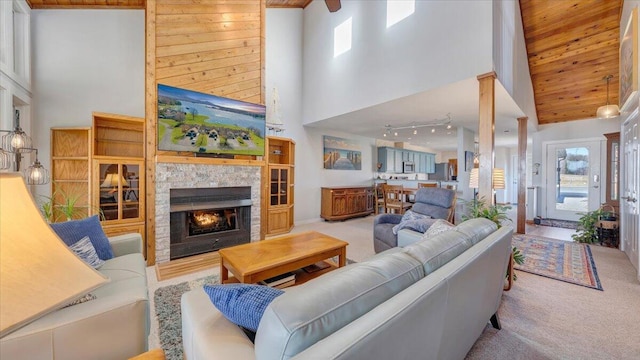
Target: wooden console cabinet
{"points": [[345, 202]]}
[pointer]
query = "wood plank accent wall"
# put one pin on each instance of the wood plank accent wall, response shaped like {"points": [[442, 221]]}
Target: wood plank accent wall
{"points": [[210, 46]]}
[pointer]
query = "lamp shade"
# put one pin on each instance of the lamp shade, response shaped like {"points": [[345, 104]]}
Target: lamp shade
{"points": [[607, 111], [473, 178], [497, 178], [111, 181], [38, 272]]}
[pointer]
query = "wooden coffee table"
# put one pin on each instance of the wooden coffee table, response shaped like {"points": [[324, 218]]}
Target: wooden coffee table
{"points": [[253, 262]]}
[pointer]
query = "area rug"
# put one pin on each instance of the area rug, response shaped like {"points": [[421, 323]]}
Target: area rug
{"points": [[167, 302], [566, 224], [567, 261]]}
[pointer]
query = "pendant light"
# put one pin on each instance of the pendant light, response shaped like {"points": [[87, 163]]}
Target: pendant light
{"points": [[608, 111]]}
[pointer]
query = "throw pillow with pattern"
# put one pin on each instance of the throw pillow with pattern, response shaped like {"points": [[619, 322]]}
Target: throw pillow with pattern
{"points": [[85, 250], [438, 227], [242, 304], [84, 299]]}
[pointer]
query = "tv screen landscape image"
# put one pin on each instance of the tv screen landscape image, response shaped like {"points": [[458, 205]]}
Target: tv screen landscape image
{"points": [[203, 123]]}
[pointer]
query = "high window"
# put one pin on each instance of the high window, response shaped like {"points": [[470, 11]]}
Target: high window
{"points": [[397, 10], [342, 38]]}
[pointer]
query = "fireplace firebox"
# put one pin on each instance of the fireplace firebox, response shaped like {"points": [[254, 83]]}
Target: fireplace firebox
{"points": [[208, 219]]}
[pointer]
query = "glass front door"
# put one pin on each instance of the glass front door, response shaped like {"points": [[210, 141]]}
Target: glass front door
{"points": [[573, 179]]}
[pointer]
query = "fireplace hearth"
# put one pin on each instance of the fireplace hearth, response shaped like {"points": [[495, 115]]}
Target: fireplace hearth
{"points": [[208, 219]]}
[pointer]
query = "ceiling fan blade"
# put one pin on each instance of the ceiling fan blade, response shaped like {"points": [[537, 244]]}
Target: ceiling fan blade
{"points": [[333, 5]]}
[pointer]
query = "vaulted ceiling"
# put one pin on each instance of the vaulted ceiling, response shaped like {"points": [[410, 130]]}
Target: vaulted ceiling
{"points": [[571, 46]]}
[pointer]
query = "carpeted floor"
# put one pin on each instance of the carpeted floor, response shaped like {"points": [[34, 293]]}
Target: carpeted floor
{"points": [[567, 261]]}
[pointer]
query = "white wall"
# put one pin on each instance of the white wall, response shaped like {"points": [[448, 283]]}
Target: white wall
{"points": [[383, 64], [284, 71], [85, 61]]}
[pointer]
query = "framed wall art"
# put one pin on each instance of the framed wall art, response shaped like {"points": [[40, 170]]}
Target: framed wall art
{"points": [[341, 154], [468, 160], [629, 61]]}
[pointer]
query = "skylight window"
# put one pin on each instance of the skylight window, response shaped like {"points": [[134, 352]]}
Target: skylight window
{"points": [[342, 38], [397, 10]]}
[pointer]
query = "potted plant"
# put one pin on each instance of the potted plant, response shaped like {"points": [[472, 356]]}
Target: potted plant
{"points": [[478, 207], [46, 206], [588, 225], [66, 209]]}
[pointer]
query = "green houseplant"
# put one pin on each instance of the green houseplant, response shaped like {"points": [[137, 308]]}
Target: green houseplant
{"points": [[66, 209], [479, 207], [588, 225]]}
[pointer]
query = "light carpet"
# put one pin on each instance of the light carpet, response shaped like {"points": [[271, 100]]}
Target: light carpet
{"points": [[567, 261]]}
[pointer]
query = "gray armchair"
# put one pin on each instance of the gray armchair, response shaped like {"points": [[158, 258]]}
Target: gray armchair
{"points": [[438, 203]]}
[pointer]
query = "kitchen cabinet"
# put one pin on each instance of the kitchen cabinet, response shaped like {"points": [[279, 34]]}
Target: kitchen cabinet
{"points": [[345, 202], [392, 159], [397, 164]]}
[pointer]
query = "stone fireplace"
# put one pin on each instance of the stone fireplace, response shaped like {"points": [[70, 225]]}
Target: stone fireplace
{"points": [[222, 221]]}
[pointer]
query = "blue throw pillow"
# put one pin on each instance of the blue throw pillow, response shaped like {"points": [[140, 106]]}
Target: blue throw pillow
{"points": [[73, 231], [242, 304]]}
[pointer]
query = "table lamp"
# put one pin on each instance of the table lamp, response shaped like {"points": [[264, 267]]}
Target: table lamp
{"points": [[38, 272], [497, 180]]}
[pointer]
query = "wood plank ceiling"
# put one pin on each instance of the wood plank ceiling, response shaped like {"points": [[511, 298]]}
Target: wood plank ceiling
{"points": [[572, 45]]}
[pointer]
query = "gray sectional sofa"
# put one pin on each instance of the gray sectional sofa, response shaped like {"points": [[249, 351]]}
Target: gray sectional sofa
{"points": [[429, 300], [113, 326]]}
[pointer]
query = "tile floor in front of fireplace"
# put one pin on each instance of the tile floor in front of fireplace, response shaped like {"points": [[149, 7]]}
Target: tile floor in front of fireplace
{"points": [[357, 232]]}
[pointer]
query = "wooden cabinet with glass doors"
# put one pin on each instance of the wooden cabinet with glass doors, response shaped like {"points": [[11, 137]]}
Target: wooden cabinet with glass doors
{"points": [[118, 172], [278, 183], [118, 195]]}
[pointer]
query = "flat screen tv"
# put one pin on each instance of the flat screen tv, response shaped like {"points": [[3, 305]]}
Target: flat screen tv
{"points": [[203, 123]]}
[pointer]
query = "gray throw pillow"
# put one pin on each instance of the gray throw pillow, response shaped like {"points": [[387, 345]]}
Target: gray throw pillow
{"points": [[85, 250], [410, 219]]}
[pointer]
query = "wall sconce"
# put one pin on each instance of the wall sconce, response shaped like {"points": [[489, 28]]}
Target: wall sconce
{"points": [[536, 168], [15, 143]]}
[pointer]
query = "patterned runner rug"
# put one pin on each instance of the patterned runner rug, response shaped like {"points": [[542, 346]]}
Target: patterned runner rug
{"points": [[567, 261]]}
